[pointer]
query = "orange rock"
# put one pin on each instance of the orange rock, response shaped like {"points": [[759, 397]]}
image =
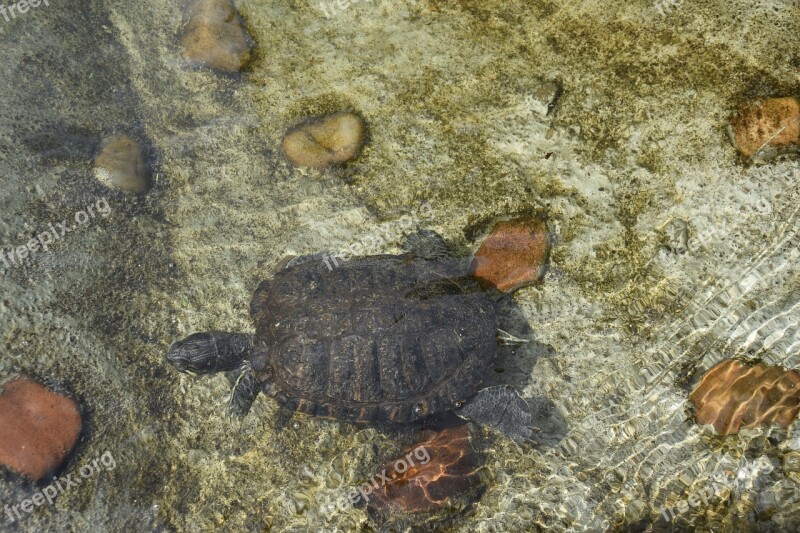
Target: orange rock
{"points": [[514, 254], [450, 471], [321, 142], [732, 395], [213, 35], [39, 428], [766, 128]]}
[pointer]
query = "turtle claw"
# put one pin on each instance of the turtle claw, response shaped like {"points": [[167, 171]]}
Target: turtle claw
{"points": [[502, 409], [526, 435], [507, 338]]}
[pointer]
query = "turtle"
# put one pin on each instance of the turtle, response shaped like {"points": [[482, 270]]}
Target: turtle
{"points": [[376, 339]]}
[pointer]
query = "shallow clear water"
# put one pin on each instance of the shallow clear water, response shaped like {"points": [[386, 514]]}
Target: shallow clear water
{"points": [[622, 325]]}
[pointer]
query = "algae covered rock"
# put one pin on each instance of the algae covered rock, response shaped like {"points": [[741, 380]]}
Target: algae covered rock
{"points": [[324, 141], [213, 35], [120, 164]]}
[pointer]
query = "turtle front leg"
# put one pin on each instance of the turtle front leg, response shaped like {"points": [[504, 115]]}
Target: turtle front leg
{"points": [[502, 409], [244, 393], [210, 351]]}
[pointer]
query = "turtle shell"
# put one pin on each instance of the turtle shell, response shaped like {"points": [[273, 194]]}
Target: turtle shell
{"points": [[364, 342]]}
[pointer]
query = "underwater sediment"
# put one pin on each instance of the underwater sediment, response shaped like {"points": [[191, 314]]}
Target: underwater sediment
{"points": [[670, 253]]}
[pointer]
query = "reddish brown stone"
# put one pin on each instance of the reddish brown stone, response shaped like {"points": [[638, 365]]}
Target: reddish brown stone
{"points": [[771, 126], [451, 472], [732, 395], [39, 428], [514, 254]]}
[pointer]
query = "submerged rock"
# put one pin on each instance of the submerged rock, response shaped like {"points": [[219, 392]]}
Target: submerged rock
{"points": [[732, 395], [120, 164], [213, 35], [764, 129], [40, 428], [444, 468], [514, 254], [324, 141]]}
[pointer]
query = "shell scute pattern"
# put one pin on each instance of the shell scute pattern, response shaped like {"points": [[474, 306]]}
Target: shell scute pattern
{"points": [[354, 343]]}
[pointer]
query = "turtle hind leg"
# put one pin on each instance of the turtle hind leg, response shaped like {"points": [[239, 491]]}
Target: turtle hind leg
{"points": [[244, 393], [502, 409], [427, 244], [290, 261], [428, 289]]}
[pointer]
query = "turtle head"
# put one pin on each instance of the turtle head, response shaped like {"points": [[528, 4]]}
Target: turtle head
{"points": [[209, 351]]}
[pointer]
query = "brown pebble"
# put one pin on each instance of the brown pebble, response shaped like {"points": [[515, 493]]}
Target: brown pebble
{"points": [[120, 164], [324, 141], [450, 471], [732, 395], [763, 129], [213, 35], [514, 254], [40, 428]]}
